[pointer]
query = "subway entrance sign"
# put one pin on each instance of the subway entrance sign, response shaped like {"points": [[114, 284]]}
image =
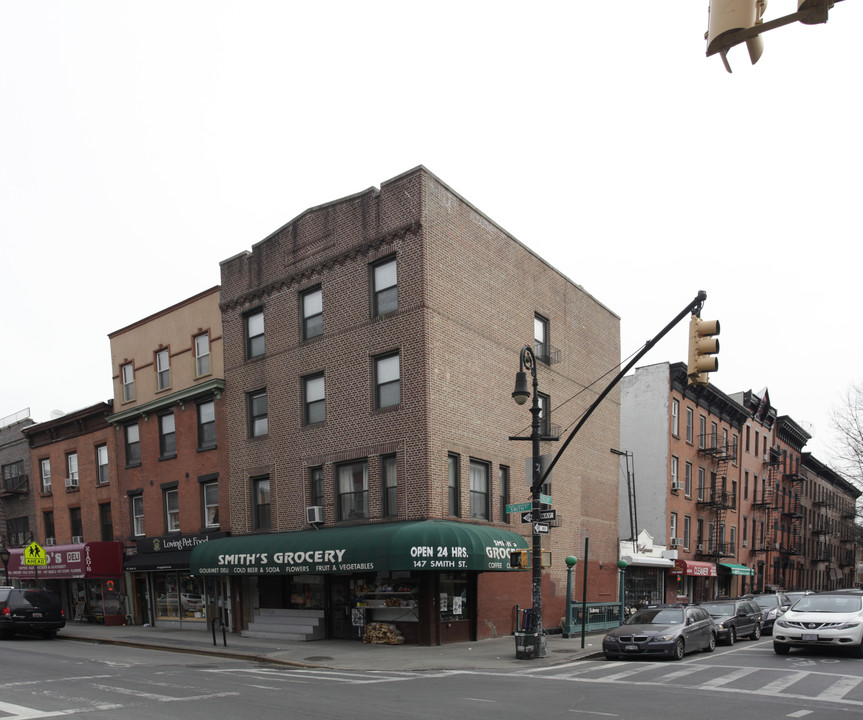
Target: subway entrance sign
{"points": [[34, 554]]}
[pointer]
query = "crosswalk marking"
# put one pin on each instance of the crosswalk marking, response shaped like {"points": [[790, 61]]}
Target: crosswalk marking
{"points": [[839, 689]]}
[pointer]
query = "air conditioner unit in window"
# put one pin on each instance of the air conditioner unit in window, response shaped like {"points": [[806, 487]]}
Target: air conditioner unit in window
{"points": [[674, 542], [745, 543], [314, 515], [675, 485], [77, 539], [699, 547], [49, 541], [71, 482]]}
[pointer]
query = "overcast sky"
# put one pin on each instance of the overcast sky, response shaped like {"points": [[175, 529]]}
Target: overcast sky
{"points": [[142, 143]]}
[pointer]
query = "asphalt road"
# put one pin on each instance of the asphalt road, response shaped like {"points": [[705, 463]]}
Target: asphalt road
{"points": [[41, 679]]}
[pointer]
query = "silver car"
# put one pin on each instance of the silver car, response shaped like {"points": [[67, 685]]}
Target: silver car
{"points": [[663, 631]]}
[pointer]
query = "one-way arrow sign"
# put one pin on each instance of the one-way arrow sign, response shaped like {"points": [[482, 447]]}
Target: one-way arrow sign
{"points": [[540, 528], [527, 517]]}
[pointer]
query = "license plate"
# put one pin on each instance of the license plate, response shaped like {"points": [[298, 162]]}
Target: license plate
{"points": [[37, 615], [809, 637], [631, 647]]}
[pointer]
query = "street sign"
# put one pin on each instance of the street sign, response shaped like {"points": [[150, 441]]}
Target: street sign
{"points": [[540, 528], [34, 554], [527, 517], [518, 507], [545, 499]]}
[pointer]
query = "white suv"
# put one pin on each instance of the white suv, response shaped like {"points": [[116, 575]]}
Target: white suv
{"points": [[827, 619]]}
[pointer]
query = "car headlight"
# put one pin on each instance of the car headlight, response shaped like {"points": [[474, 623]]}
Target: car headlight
{"points": [[772, 613], [663, 638], [782, 623], [847, 626]]}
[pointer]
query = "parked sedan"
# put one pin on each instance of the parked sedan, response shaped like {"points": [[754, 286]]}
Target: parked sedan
{"points": [[828, 619], [30, 611], [663, 631], [735, 619]]}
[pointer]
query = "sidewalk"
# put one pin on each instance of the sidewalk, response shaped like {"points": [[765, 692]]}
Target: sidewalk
{"points": [[495, 653]]}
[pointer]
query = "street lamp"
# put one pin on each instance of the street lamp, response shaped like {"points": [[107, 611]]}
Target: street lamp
{"points": [[621, 565], [5, 554], [527, 361], [570, 566]]}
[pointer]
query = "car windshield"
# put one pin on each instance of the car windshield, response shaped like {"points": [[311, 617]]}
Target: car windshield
{"points": [[829, 604], [657, 616], [719, 609], [767, 601]]}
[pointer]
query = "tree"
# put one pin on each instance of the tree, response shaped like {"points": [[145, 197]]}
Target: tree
{"points": [[846, 420]]}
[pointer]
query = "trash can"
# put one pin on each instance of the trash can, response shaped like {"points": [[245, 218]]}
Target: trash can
{"points": [[529, 645]]}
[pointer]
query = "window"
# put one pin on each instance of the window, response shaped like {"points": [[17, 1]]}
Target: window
{"points": [[734, 449], [689, 424], [202, 355], [745, 485], [258, 423], [75, 524], [390, 489], [72, 469], [106, 523], [133, 445], [102, 464], [254, 327], [387, 381], [316, 486], [687, 522], [137, 515], [699, 535], [701, 478], [714, 438], [540, 338], [314, 398], [313, 313], [687, 480], [163, 370], [17, 531], [479, 495], [353, 491], [167, 436], [45, 472], [48, 524], [732, 541], [544, 414], [384, 288], [674, 526], [127, 373], [172, 510], [14, 477], [210, 503], [702, 431], [261, 503], [674, 464], [206, 425], [504, 493], [453, 488], [675, 417], [734, 494]]}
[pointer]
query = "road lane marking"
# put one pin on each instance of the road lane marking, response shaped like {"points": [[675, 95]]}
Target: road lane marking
{"points": [[21, 712], [839, 689], [161, 698]]}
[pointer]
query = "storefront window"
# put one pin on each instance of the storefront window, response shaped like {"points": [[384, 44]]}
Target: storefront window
{"points": [[307, 592], [178, 597], [453, 597]]}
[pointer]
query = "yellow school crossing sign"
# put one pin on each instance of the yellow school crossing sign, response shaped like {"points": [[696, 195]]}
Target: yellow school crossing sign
{"points": [[34, 554]]}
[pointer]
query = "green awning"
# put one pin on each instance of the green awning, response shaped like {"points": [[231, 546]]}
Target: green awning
{"points": [[738, 569], [440, 545]]}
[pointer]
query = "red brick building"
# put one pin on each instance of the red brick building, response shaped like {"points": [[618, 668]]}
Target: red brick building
{"points": [[371, 346]]}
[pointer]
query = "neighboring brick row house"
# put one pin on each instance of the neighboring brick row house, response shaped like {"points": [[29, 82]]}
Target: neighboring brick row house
{"points": [[725, 488]]}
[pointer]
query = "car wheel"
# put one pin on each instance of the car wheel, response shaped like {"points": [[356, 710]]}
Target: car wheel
{"points": [[679, 649], [732, 636], [756, 633], [780, 649], [711, 643]]}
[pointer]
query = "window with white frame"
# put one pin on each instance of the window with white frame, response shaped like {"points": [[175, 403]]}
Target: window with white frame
{"points": [[387, 381], [72, 467], [687, 522], [127, 375], [206, 424], [674, 464], [167, 436], [313, 313], [687, 480], [540, 338], [254, 331], [314, 400], [102, 464], [45, 471], [137, 502], [675, 417], [172, 510], [701, 479], [210, 502], [673, 528], [202, 355], [690, 419], [163, 370], [133, 444]]}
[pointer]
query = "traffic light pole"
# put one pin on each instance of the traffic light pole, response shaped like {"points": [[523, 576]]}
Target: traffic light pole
{"points": [[693, 307]]}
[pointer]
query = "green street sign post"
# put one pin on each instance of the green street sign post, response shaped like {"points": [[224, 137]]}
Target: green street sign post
{"points": [[518, 507]]}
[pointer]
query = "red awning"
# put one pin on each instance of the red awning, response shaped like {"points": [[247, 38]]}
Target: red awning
{"points": [[86, 560], [695, 568]]}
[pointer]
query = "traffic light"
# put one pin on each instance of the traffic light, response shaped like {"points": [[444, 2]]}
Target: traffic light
{"points": [[725, 18], [703, 347], [519, 559]]}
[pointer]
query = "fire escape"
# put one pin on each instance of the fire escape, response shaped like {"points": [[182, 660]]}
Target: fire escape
{"points": [[768, 507], [716, 499], [793, 547]]}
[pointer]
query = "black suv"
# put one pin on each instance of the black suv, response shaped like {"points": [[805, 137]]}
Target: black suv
{"points": [[30, 611], [735, 619]]}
